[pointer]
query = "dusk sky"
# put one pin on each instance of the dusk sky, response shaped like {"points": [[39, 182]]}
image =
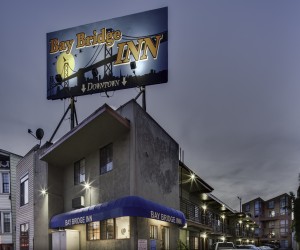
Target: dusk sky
{"points": [[232, 101]]}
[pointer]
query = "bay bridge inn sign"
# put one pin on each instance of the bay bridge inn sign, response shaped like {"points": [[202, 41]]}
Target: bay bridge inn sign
{"points": [[119, 53]]}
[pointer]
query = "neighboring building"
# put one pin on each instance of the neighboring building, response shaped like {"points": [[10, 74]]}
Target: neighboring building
{"points": [[116, 182], [296, 217], [8, 163], [274, 218], [31, 175]]}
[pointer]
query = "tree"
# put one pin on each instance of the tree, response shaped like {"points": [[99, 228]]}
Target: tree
{"points": [[297, 219]]}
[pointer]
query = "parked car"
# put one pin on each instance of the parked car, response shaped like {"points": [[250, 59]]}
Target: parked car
{"points": [[274, 246], [265, 248], [251, 247], [222, 245]]}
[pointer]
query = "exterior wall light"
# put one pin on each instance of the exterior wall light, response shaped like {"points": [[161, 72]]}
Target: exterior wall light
{"points": [[193, 177], [204, 235], [87, 185], [44, 192]]}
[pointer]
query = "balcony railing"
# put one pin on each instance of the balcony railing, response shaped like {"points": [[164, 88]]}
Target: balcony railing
{"points": [[196, 213], [208, 218]]}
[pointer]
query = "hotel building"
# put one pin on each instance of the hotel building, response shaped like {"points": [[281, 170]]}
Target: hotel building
{"points": [[116, 182]]}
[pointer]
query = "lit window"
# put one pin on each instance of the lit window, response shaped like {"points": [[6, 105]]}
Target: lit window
{"points": [[106, 157], [165, 238], [24, 236], [153, 232], [107, 229], [272, 213], [24, 190], [79, 172], [93, 231], [122, 228]]}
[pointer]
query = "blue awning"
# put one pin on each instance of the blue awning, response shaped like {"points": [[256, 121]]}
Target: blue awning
{"points": [[127, 206]]}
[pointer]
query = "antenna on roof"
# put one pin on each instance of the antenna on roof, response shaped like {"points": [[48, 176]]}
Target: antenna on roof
{"points": [[39, 134]]}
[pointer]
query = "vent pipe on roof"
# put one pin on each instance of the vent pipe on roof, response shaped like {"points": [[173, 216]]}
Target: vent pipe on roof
{"points": [[181, 155]]}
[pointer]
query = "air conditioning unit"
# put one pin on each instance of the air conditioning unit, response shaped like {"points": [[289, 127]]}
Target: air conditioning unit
{"points": [[78, 202]]}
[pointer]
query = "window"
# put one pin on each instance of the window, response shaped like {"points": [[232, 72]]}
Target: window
{"points": [[79, 172], [6, 223], [5, 182], [106, 156], [284, 223], [283, 211], [271, 233], [283, 231], [165, 238], [283, 205], [283, 202], [153, 232], [122, 228], [284, 243], [257, 208], [24, 190], [118, 228], [24, 236], [107, 229], [93, 231], [194, 242], [271, 204], [271, 224], [272, 213], [247, 207]]}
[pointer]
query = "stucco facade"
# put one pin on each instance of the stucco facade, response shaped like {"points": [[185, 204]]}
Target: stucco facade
{"points": [[144, 164]]}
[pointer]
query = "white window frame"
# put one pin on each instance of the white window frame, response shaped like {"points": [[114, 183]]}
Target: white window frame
{"points": [[2, 222], [26, 190], [1, 182]]}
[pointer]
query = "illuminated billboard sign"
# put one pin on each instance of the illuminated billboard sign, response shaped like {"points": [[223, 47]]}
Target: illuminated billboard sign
{"points": [[109, 55]]}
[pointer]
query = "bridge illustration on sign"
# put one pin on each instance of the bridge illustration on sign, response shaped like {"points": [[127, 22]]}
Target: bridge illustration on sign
{"points": [[87, 80]]}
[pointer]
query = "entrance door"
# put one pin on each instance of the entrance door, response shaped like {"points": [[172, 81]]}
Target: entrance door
{"points": [[194, 243]]}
